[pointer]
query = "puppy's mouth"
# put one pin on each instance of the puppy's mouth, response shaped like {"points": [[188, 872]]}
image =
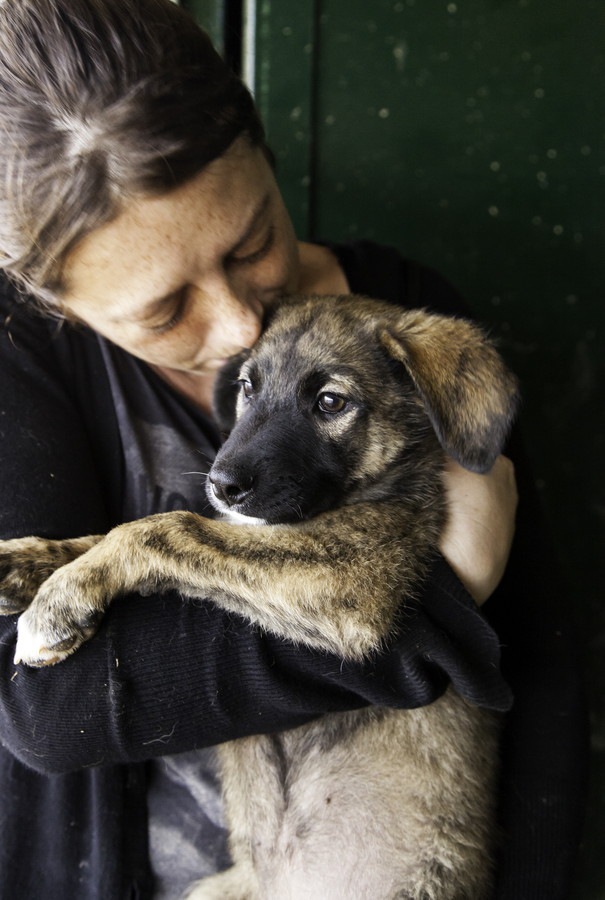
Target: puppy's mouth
{"points": [[245, 503], [251, 512]]}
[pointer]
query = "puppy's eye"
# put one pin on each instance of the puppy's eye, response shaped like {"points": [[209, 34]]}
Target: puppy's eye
{"points": [[247, 389], [331, 403]]}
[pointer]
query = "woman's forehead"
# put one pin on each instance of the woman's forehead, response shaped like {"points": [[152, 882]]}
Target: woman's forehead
{"points": [[213, 212]]}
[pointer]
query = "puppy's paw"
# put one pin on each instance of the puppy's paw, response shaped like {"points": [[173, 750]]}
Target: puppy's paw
{"points": [[38, 646], [64, 614]]}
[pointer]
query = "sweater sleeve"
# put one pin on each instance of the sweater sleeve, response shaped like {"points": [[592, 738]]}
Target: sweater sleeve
{"points": [[164, 675]]}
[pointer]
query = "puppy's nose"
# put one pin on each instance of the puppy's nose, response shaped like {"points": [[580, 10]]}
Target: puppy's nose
{"points": [[229, 488]]}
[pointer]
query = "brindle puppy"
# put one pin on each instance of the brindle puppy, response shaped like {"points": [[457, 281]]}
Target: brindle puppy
{"points": [[342, 415]]}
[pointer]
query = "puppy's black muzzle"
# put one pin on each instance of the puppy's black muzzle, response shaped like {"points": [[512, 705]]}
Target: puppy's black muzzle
{"points": [[275, 467]]}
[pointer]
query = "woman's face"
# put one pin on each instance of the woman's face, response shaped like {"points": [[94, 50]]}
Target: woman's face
{"points": [[181, 280]]}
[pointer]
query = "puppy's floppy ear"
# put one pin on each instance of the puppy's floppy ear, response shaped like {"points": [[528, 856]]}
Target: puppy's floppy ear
{"points": [[469, 394], [225, 392]]}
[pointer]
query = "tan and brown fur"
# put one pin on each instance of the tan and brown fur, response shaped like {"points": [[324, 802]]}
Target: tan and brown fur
{"points": [[341, 418]]}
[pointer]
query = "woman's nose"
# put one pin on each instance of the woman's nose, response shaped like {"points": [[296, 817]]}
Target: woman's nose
{"points": [[237, 316]]}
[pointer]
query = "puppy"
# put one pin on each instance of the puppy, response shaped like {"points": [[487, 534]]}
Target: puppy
{"points": [[340, 419]]}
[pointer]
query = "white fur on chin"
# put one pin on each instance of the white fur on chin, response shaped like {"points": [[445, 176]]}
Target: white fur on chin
{"points": [[239, 519]]}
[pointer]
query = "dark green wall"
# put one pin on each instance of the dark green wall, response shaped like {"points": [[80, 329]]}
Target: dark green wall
{"points": [[211, 15], [470, 135]]}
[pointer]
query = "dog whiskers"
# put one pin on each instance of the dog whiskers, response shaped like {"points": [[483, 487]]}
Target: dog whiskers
{"points": [[296, 507]]}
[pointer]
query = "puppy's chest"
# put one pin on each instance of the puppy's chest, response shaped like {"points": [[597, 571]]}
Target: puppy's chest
{"points": [[307, 778], [305, 754]]}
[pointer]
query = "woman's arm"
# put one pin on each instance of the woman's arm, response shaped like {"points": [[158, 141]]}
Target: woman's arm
{"points": [[165, 675]]}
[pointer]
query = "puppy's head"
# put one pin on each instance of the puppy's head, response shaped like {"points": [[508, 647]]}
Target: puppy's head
{"points": [[343, 397]]}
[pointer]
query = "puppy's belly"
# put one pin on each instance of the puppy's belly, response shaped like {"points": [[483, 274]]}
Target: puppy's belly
{"points": [[337, 840], [347, 806], [328, 832]]}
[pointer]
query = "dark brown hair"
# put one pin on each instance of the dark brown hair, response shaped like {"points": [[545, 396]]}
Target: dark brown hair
{"points": [[101, 100]]}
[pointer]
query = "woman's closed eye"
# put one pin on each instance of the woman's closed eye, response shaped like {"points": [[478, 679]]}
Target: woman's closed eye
{"points": [[247, 257], [175, 310]]}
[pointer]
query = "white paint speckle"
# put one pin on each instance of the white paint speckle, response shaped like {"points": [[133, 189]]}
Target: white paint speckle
{"points": [[586, 150], [384, 113], [400, 52], [558, 230], [452, 8], [287, 31], [495, 166], [539, 93], [329, 120], [552, 154], [493, 211]]}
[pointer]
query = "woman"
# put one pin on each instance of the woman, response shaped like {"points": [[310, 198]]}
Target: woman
{"points": [[140, 208]]}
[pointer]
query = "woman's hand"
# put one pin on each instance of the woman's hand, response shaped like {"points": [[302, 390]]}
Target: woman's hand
{"points": [[479, 530]]}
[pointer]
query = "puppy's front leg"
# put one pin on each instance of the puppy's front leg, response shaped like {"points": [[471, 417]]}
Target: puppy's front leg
{"points": [[330, 582], [70, 600]]}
